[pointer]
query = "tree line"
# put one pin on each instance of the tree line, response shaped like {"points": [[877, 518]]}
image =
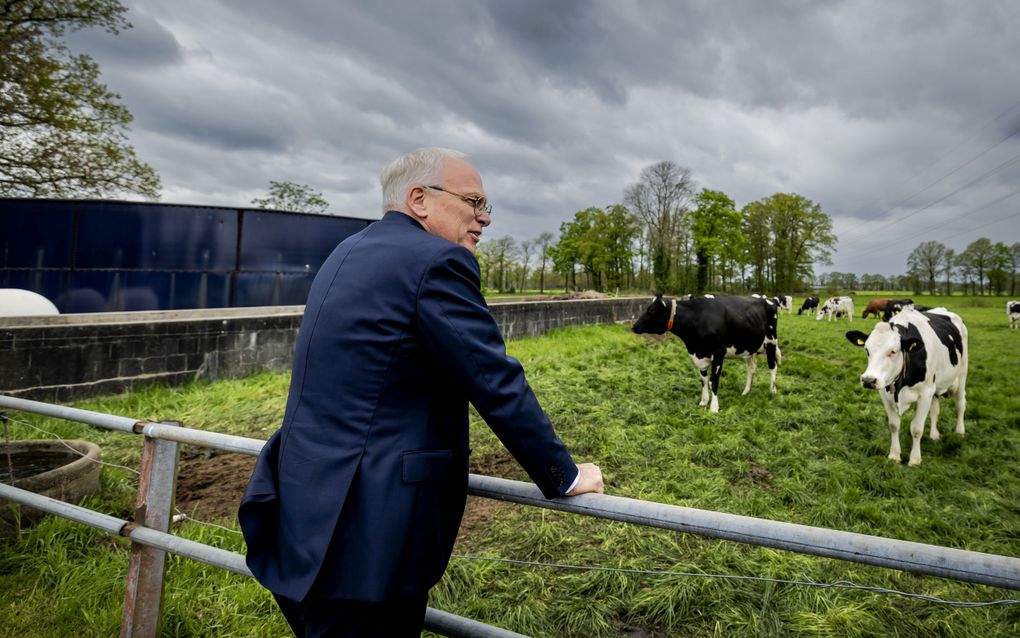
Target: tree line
{"points": [[983, 267], [668, 235]]}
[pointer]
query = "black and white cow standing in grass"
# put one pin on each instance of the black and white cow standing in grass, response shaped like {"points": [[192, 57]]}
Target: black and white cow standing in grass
{"points": [[1013, 312], [810, 303], [916, 357], [834, 307], [896, 305], [713, 328], [785, 302]]}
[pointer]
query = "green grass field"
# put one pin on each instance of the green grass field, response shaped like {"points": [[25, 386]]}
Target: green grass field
{"points": [[814, 454]]}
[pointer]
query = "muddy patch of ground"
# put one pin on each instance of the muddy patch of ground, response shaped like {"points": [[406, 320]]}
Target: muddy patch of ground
{"points": [[210, 485]]}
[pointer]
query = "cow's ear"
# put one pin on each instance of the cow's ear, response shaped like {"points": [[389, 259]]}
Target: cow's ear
{"points": [[911, 344], [856, 337]]}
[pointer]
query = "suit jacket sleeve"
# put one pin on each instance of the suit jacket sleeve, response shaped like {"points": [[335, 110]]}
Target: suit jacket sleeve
{"points": [[456, 324]]}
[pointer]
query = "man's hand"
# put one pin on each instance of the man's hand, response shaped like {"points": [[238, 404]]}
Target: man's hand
{"points": [[590, 480]]}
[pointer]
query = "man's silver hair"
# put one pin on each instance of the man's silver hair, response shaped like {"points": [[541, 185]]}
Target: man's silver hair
{"points": [[420, 166]]}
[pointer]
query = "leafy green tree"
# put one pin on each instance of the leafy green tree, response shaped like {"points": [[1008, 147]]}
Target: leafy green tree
{"points": [[948, 265], [802, 235], [601, 243], [925, 261], [527, 249], [717, 234], [758, 237], [501, 253], [298, 198], [999, 268], [616, 229], [976, 260], [571, 249], [1014, 260], [874, 282], [62, 132], [786, 234]]}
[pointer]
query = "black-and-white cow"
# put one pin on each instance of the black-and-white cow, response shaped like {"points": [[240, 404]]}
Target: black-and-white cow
{"points": [[1013, 312], [809, 304], [835, 307], [713, 328], [896, 305], [916, 357], [785, 302]]}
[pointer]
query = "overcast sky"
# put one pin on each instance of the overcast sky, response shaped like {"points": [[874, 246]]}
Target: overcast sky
{"points": [[878, 111]]}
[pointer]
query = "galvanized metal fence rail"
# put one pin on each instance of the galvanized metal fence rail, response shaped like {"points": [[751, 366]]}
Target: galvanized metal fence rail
{"points": [[919, 558]]}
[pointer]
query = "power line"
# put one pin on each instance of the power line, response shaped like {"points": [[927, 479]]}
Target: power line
{"points": [[881, 247], [950, 152], [982, 153], [1011, 161]]}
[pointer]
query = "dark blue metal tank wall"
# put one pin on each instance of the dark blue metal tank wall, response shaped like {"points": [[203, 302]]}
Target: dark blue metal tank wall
{"points": [[104, 256]]}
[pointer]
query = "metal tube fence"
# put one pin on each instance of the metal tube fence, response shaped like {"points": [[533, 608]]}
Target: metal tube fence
{"points": [[438, 621], [918, 558]]}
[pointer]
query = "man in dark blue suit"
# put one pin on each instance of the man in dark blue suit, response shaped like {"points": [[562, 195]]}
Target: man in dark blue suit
{"points": [[352, 511]]}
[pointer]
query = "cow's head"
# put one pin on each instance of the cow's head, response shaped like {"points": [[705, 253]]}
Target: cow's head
{"points": [[655, 318], [886, 349], [822, 309]]}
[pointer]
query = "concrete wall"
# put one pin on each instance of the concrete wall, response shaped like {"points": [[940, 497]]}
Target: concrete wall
{"points": [[69, 357]]}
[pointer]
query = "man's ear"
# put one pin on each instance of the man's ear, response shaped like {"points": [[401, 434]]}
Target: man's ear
{"points": [[416, 202], [857, 338]]}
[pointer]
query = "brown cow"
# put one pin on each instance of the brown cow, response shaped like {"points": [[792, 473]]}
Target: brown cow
{"points": [[876, 307]]}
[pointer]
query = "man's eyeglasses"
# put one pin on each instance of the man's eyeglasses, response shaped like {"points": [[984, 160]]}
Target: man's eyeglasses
{"points": [[478, 204]]}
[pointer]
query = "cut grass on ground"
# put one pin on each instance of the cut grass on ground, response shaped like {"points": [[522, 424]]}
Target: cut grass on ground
{"points": [[813, 454]]}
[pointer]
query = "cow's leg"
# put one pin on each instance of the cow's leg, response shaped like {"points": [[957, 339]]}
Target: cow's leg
{"points": [[917, 425], [717, 361], [752, 365], [960, 398], [772, 355], [702, 365], [894, 425], [704, 388], [933, 416]]}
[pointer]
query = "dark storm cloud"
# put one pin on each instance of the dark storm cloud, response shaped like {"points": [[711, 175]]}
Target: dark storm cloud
{"points": [[855, 104], [146, 43]]}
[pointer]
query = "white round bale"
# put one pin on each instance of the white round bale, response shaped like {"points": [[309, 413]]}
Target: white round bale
{"points": [[15, 302]]}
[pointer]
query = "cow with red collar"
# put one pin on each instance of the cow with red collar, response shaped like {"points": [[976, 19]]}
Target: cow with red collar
{"points": [[917, 357], [713, 328]]}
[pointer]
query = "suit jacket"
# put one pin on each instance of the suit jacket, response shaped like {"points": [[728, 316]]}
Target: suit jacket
{"points": [[360, 493]]}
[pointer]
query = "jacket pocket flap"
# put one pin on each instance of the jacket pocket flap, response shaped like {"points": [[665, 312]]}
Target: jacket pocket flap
{"points": [[427, 465]]}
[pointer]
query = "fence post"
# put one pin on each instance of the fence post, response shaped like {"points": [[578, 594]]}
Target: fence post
{"points": [[143, 595]]}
